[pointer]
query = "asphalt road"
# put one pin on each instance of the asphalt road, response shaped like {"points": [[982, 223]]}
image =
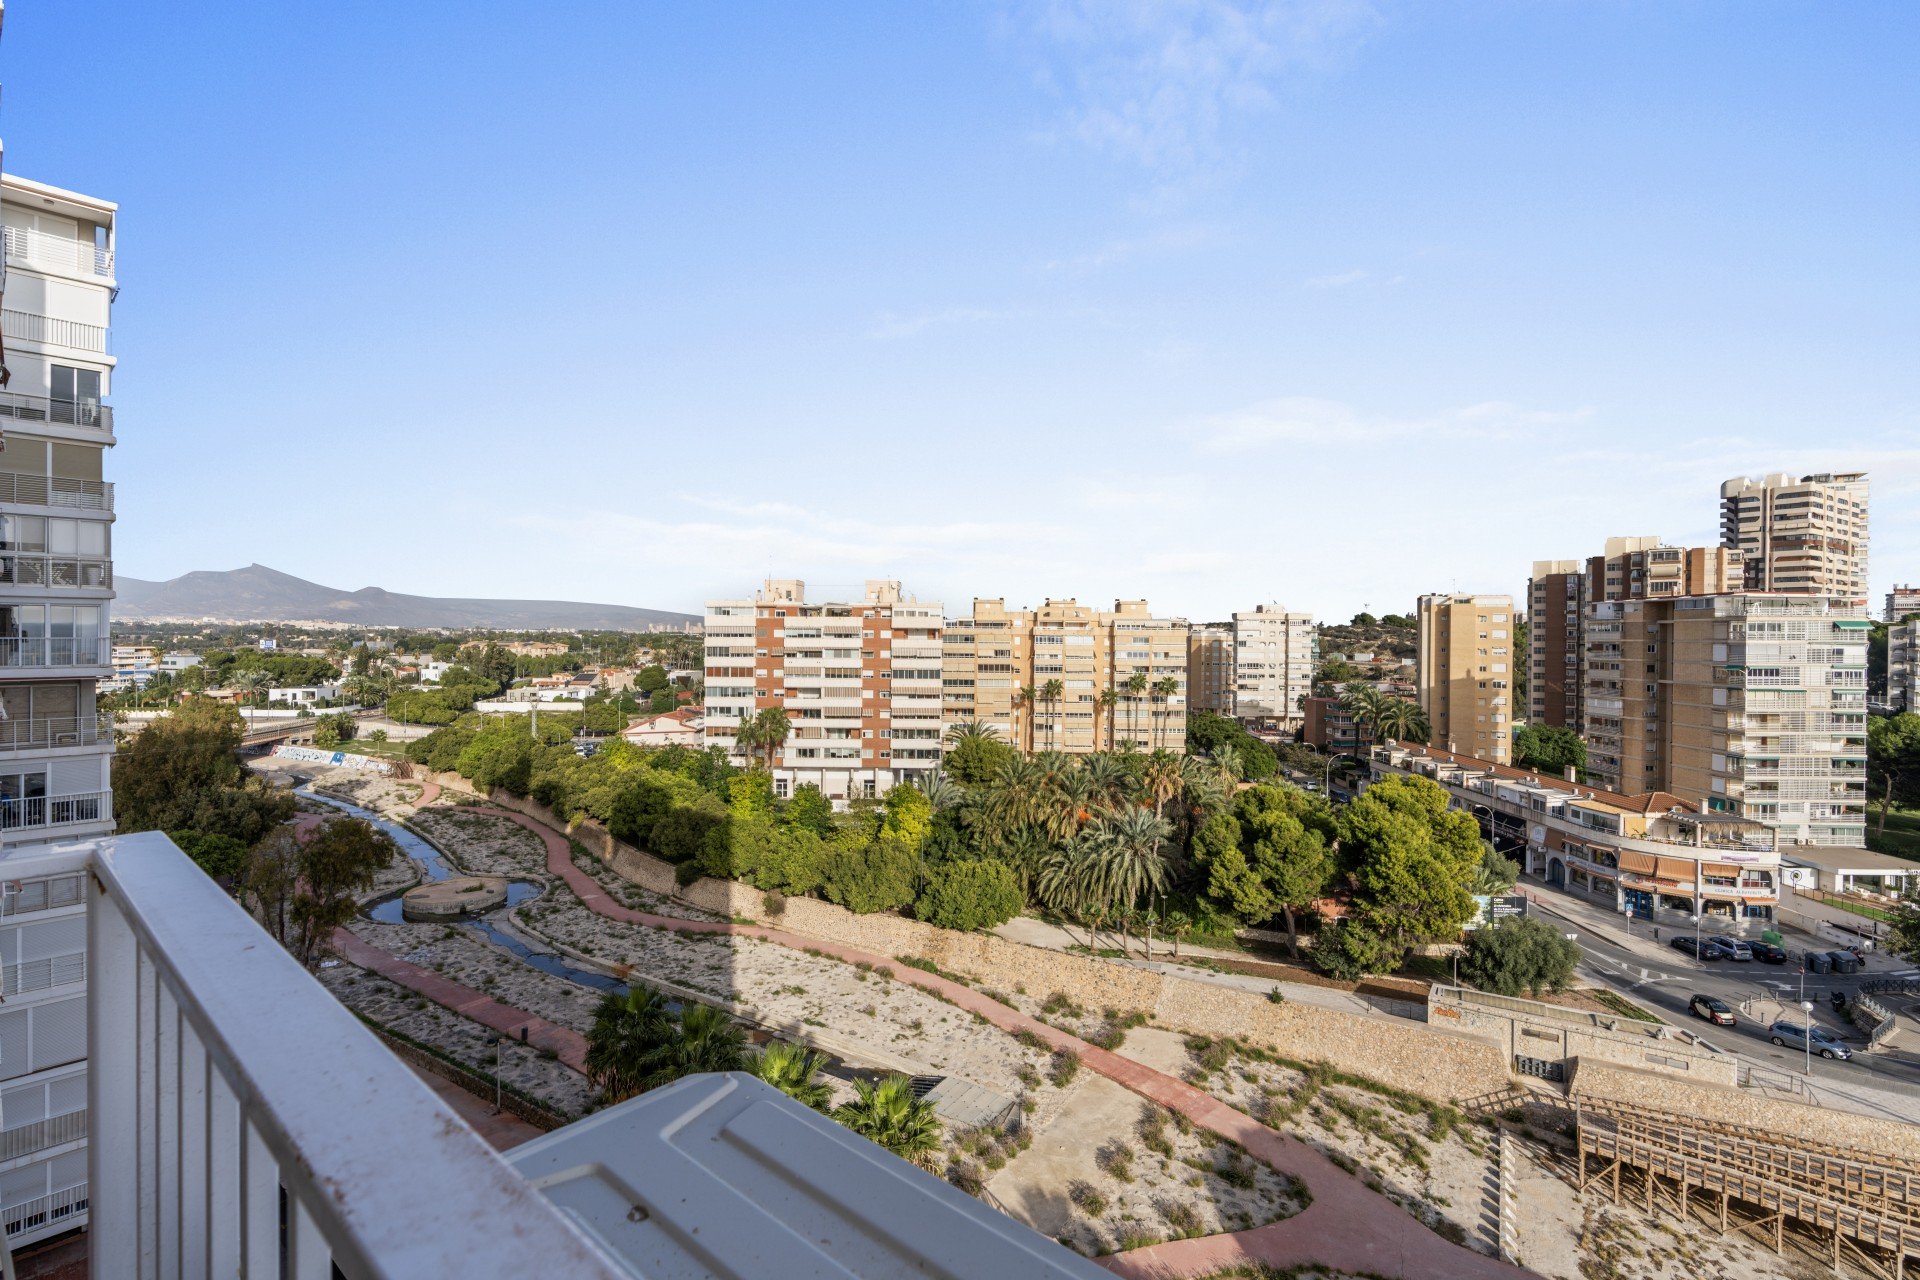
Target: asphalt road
{"points": [[1666, 986]]}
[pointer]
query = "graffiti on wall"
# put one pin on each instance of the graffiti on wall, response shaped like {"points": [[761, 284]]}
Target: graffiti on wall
{"points": [[341, 759]]}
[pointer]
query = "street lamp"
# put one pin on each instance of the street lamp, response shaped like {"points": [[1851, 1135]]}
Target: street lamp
{"points": [[494, 1044], [1806, 1006]]}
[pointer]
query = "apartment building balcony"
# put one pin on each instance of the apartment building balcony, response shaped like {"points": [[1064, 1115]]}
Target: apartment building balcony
{"points": [[91, 415], [55, 732], [39, 569], [241, 1121], [30, 813], [40, 251], [48, 652], [19, 488], [50, 331]]}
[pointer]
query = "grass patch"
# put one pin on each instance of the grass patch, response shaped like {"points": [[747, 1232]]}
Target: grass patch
{"points": [[1623, 1006]]}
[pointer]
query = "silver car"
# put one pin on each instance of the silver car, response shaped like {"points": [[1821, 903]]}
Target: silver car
{"points": [[1794, 1036], [1736, 949]]}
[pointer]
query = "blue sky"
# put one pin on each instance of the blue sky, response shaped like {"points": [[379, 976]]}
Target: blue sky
{"points": [[1329, 302]]}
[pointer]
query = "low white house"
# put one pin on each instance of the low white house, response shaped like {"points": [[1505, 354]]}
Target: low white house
{"points": [[301, 695], [683, 728]]}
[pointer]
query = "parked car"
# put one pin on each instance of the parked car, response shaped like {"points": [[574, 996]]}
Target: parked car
{"points": [[1794, 1036], [1736, 949], [1768, 952], [1819, 962], [1701, 949], [1711, 1008], [1844, 961]]}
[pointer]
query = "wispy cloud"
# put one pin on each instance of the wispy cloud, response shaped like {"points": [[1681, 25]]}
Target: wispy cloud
{"points": [[1159, 81], [1348, 279], [1303, 420]]}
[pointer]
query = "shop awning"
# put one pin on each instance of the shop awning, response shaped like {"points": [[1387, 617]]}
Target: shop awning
{"points": [[1719, 869], [1644, 863], [1679, 869]]}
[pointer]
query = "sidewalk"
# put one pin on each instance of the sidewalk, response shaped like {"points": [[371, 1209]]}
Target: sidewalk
{"points": [[1053, 937]]}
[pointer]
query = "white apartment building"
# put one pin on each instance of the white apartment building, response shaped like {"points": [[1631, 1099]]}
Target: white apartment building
{"points": [[1274, 653], [859, 681], [1903, 666], [1805, 535], [56, 585]]}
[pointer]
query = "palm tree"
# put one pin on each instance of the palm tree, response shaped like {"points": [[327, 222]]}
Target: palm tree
{"points": [[250, 682], [941, 791], [1136, 686], [1024, 697], [1166, 687], [1061, 881], [1109, 699], [627, 1033], [1366, 705], [775, 728], [965, 731], [1162, 780], [368, 691], [1177, 925], [889, 1114], [1018, 796], [1128, 858], [747, 735], [1077, 800], [1053, 693], [795, 1071], [1106, 777], [1225, 758], [706, 1040], [1406, 721]]}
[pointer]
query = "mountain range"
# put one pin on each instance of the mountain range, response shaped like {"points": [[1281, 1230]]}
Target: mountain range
{"points": [[259, 594]]}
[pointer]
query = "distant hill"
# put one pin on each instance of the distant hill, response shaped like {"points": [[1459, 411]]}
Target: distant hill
{"points": [[259, 594]]}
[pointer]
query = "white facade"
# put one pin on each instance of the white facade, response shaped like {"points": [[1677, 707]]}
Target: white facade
{"points": [[1903, 666], [1802, 535], [1274, 652], [56, 588]]}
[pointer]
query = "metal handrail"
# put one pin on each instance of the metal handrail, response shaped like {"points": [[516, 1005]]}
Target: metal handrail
{"points": [[31, 490], [56, 811], [70, 413], [46, 733], [31, 326], [42, 569], [55, 651], [302, 1144]]}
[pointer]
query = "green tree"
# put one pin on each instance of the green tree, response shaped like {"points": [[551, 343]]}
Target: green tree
{"points": [[336, 863], [1903, 930], [1404, 721], [908, 816], [876, 877], [970, 894], [183, 773], [1366, 705], [809, 809], [1893, 763], [889, 1114], [1411, 858], [1497, 874], [221, 857], [1351, 948], [1164, 688], [975, 753], [624, 1040], [1520, 954], [794, 1071], [1549, 749], [333, 730], [1137, 686]]}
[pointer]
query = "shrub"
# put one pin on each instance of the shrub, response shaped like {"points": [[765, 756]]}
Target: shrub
{"points": [[1520, 954], [966, 1175], [1349, 950], [1087, 1199], [969, 895], [1065, 1066], [878, 877]]}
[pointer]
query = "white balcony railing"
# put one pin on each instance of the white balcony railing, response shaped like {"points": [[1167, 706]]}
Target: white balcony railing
{"points": [[65, 254], [244, 1123], [56, 811], [55, 651], [31, 326], [28, 490], [48, 732]]}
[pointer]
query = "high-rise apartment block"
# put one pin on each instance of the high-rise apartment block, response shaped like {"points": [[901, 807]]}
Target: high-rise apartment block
{"points": [[56, 588], [1274, 653], [1748, 703], [1466, 671], [1067, 677], [1807, 535], [1210, 667], [859, 681], [1559, 592], [1902, 601], [1556, 598], [1903, 666]]}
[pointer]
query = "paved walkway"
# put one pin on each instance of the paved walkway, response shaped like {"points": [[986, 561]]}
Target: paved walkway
{"points": [[1347, 1227], [502, 1132]]}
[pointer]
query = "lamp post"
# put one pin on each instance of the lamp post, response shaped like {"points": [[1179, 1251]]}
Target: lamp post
{"points": [[493, 1042], [1806, 1007]]}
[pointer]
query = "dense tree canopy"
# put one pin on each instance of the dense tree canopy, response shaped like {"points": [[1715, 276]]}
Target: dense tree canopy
{"points": [[1520, 955], [1549, 749], [182, 773]]}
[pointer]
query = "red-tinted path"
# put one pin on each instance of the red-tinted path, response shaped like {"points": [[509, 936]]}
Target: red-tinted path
{"points": [[1347, 1227]]}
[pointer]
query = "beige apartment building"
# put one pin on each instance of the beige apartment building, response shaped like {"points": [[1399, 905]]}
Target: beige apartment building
{"points": [[1751, 704], [1121, 675], [1637, 568], [1465, 673], [1210, 667], [1806, 535], [859, 681], [1274, 651]]}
